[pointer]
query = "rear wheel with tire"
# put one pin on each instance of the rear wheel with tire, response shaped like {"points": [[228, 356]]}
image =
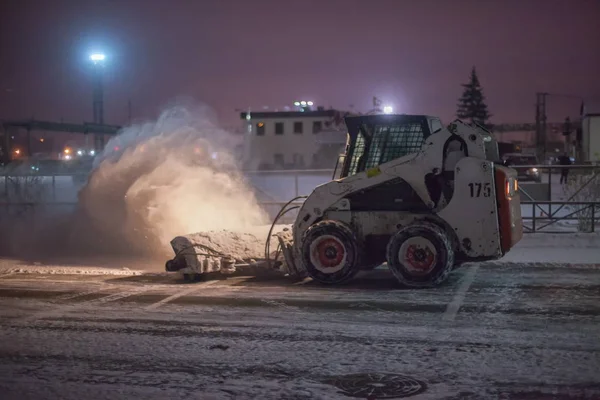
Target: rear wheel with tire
{"points": [[330, 252], [420, 255]]}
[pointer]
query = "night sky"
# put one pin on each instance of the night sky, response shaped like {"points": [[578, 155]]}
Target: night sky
{"points": [[233, 54]]}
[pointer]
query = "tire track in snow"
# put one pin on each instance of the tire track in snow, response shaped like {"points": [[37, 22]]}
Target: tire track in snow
{"points": [[461, 292], [181, 293], [59, 311]]}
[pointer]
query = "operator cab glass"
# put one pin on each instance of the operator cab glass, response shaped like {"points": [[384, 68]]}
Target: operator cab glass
{"points": [[492, 153], [376, 139]]}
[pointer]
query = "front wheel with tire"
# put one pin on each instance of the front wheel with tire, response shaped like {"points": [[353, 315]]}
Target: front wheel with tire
{"points": [[420, 255], [330, 252]]}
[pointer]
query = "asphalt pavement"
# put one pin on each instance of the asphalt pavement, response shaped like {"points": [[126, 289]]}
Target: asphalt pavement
{"points": [[494, 330]]}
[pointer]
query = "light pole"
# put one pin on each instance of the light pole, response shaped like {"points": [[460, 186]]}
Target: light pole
{"points": [[98, 97]]}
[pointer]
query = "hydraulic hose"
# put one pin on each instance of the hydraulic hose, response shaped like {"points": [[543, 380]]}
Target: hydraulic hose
{"points": [[284, 210]]}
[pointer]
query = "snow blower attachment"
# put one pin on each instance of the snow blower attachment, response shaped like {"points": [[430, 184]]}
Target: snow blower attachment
{"points": [[409, 192]]}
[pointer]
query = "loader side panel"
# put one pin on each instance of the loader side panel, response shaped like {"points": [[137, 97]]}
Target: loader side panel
{"points": [[472, 212], [509, 207], [394, 195]]}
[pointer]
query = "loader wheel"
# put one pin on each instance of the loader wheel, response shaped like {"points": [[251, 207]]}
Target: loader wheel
{"points": [[420, 255], [330, 252]]}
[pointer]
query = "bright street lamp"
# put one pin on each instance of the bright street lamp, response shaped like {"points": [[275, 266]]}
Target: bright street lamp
{"points": [[95, 57], [388, 110]]}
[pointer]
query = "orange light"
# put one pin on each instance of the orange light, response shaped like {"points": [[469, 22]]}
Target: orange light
{"points": [[42, 140], [516, 186], [67, 151], [17, 151], [507, 188], [260, 124]]}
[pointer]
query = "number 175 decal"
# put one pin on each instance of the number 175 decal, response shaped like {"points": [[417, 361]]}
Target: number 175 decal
{"points": [[479, 189]]}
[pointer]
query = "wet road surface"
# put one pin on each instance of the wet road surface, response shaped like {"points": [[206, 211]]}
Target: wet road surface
{"points": [[506, 331]]}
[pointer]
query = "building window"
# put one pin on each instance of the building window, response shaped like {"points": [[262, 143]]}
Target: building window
{"points": [[279, 128], [260, 128], [317, 126], [298, 160], [278, 160], [298, 127]]}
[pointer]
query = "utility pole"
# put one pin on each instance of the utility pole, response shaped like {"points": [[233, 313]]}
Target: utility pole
{"points": [[540, 126], [567, 128], [98, 98]]}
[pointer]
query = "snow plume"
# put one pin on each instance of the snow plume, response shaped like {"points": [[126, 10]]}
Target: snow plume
{"points": [[158, 180]]}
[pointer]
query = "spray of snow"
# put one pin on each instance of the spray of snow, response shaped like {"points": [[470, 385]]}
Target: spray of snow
{"points": [[154, 181], [171, 177]]}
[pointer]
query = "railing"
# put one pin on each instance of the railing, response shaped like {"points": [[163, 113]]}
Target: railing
{"points": [[584, 214], [576, 200], [554, 171], [580, 203]]}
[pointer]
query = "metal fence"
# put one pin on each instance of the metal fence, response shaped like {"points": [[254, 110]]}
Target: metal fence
{"points": [[569, 207], [572, 198]]}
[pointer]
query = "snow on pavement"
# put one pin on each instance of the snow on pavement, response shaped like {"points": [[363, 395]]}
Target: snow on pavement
{"points": [[582, 248], [519, 332]]}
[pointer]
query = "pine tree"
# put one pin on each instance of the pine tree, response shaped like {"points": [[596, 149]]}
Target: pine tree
{"points": [[471, 106]]}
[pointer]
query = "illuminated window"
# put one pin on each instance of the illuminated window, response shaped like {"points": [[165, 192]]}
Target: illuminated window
{"points": [[260, 128]]}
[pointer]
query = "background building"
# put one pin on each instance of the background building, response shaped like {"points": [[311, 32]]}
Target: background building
{"points": [[293, 139], [590, 132]]}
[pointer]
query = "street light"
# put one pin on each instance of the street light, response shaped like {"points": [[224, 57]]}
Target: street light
{"points": [[97, 57], [304, 105], [388, 110]]}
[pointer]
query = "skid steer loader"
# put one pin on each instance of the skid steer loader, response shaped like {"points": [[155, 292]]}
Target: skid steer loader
{"points": [[410, 192]]}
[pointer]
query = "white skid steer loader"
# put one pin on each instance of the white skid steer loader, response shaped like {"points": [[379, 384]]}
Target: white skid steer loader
{"points": [[409, 192]]}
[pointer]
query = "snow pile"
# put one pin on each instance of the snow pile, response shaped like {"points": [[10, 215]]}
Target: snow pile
{"points": [[565, 241], [63, 270], [238, 245], [162, 179], [567, 248]]}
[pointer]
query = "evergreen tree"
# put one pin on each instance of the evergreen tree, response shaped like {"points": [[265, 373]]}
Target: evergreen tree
{"points": [[471, 106]]}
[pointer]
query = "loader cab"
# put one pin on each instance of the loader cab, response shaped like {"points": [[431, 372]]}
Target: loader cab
{"points": [[377, 139]]}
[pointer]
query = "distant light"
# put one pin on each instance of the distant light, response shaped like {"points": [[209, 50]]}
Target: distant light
{"points": [[310, 103], [67, 151], [248, 117], [388, 110], [17, 151], [92, 152], [297, 103], [303, 103], [67, 157], [79, 152], [97, 57], [42, 140], [214, 156]]}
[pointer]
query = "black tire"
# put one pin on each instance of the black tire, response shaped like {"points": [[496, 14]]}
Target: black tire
{"points": [[430, 250], [330, 245]]}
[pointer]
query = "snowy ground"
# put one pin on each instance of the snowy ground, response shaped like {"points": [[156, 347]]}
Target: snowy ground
{"points": [[509, 330], [523, 328]]}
